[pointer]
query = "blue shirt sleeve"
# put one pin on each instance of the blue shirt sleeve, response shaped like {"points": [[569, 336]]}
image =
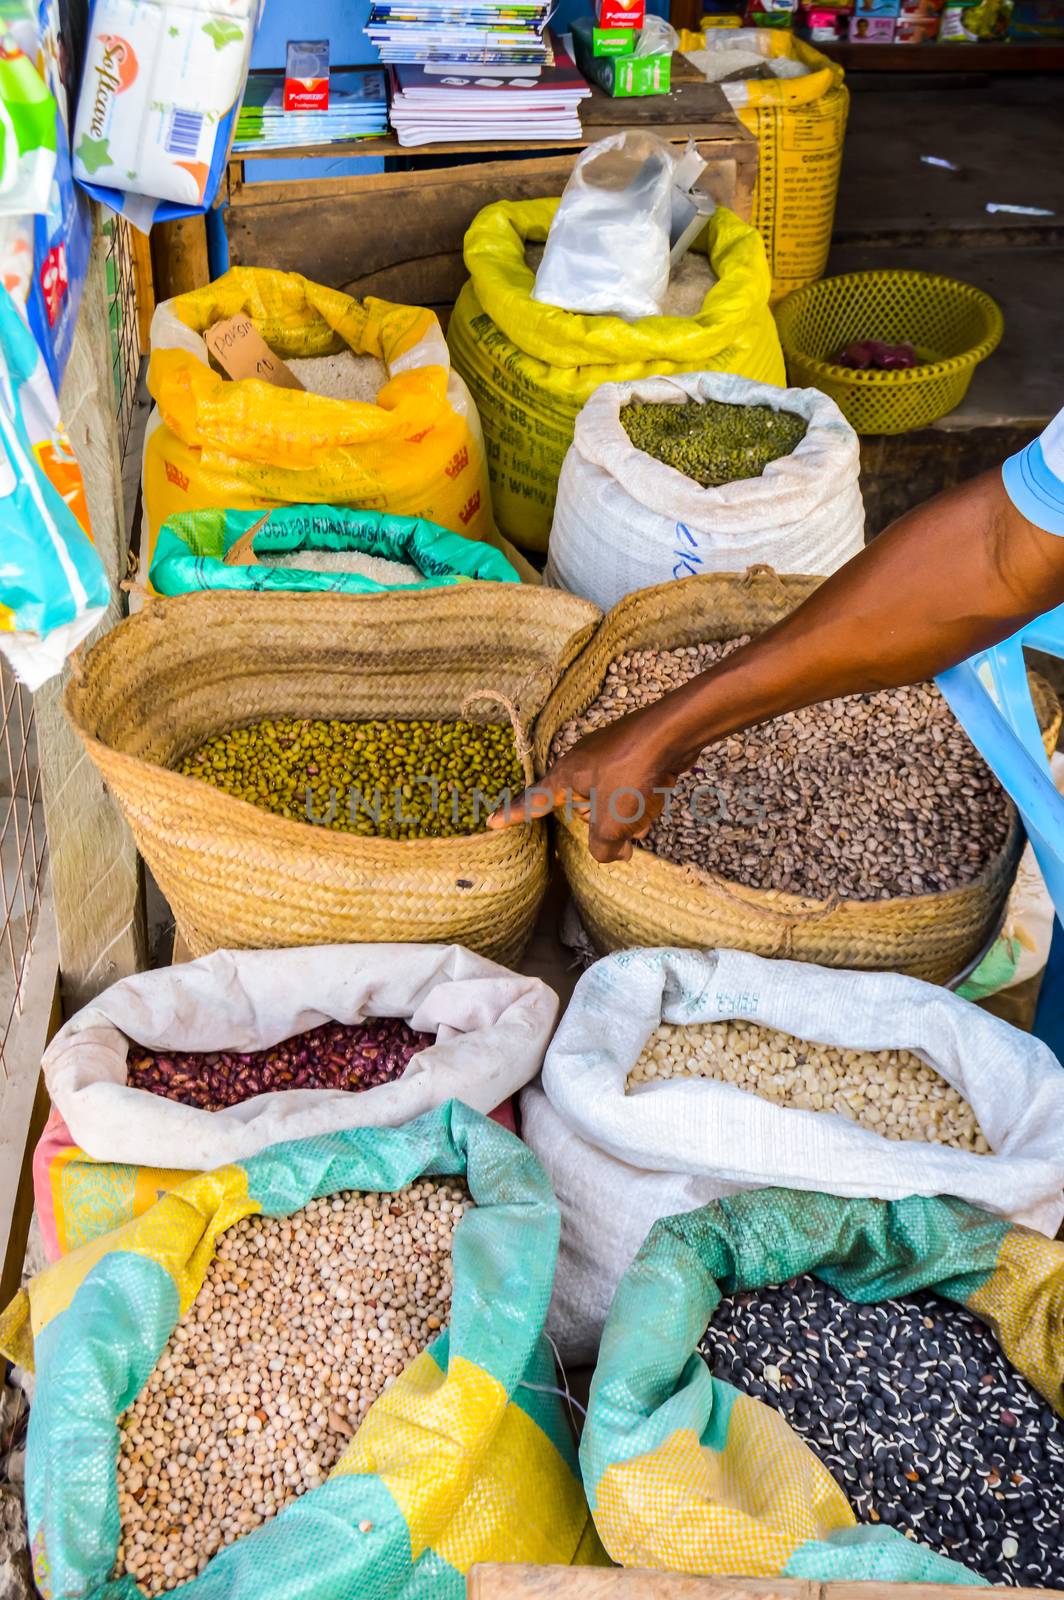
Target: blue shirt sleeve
{"points": [[1034, 479]]}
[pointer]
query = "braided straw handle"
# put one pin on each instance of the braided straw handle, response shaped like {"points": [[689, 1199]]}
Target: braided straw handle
{"points": [[521, 741]]}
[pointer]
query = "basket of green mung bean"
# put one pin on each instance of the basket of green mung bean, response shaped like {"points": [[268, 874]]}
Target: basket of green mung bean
{"points": [[319, 768]]}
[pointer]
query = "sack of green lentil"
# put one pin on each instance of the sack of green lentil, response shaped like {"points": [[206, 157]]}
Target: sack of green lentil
{"points": [[684, 1470], [308, 548], [209, 1378], [703, 472], [531, 367], [194, 1066], [721, 1068]]}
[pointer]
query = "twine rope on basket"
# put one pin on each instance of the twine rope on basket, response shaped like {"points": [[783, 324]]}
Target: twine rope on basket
{"points": [[522, 744]]}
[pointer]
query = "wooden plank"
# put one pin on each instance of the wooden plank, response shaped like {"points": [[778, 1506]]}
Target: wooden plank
{"points": [[145, 286], [400, 234], [95, 870], [518, 1582], [24, 1101], [947, 57], [179, 256], [624, 1583]]}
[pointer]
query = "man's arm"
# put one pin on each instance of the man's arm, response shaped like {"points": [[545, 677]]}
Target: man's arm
{"points": [[952, 577]]}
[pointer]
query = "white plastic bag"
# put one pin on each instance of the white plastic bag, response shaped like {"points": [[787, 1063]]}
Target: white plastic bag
{"points": [[492, 1027], [624, 521], [608, 247], [608, 1208]]}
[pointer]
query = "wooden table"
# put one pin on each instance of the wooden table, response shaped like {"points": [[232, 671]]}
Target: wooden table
{"points": [[616, 1583], [398, 233]]}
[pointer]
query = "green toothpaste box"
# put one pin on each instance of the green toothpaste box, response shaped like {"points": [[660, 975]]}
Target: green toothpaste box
{"points": [[605, 41], [626, 75]]}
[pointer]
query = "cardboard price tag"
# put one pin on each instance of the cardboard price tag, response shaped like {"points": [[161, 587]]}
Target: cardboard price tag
{"points": [[241, 352]]}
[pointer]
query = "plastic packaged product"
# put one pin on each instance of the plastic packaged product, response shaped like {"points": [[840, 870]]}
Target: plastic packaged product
{"points": [[53, 588], [872, 30], [161, 87], [44, 252], [28, 127], [607, 251], [916, 30]]}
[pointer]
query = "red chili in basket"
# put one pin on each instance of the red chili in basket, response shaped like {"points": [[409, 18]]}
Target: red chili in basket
{"points": [[336, 1055]]}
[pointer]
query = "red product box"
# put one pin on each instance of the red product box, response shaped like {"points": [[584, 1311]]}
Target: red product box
{"points": [[306, 78], [871, 30], [620, 13]]}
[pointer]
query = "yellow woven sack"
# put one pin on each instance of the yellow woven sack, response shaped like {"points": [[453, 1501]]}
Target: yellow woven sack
{"points": [[530, 367], [799, 124], [216, 442]]}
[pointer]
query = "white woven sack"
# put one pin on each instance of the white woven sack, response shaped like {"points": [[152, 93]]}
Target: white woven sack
{"points": [[491, 1026], [624, 521], [703, 1128], [608, 1208]]}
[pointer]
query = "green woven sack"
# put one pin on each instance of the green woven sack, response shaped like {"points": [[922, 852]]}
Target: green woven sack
{"points": [[683, 1471], [191, 549]]}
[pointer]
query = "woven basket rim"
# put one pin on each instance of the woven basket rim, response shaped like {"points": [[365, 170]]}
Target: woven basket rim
{"points": [[776, 903], [924, 372], [783, 906]]}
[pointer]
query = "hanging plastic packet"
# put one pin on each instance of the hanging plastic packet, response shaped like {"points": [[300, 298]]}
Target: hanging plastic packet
{"points": [[608, 249], [138, 149], [27, 130], [53, 588], [44, 256]]}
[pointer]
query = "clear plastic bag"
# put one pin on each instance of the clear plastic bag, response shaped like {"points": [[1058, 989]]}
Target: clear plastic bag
{"points": [[608, 246]]}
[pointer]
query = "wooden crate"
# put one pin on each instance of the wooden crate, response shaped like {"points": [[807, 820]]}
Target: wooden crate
{"points": [[398, 234], [626, 1583]]}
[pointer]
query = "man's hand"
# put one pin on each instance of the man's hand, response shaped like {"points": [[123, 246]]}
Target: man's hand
{"points": [[612, 777]]}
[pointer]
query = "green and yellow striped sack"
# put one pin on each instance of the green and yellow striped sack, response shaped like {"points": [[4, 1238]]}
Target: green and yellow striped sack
{"points": [[683, 1471], [466, 1457]]}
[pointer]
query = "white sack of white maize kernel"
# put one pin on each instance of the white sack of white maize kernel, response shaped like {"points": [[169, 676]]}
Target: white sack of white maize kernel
{"points": [[491, 1026], [624, 521], [608, 1208], [700, 1127]]}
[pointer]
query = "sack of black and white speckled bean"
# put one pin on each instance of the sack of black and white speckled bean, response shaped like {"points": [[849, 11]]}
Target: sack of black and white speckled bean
{"points": [[490, 1029], [683, 1135], [683, 1470]]}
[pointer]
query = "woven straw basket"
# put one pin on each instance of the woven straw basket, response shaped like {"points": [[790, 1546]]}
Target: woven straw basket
{"points": [[650, 901], [182, 670]]}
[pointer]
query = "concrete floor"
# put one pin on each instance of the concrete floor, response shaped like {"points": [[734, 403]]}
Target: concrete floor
{"points": [[1005, 135]]}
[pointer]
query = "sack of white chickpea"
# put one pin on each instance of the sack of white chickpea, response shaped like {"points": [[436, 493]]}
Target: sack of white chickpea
{"points": [[326, 1359], [722, 1070]]}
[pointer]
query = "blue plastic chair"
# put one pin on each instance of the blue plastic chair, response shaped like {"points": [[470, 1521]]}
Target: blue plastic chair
{"points": [[990, 697]]}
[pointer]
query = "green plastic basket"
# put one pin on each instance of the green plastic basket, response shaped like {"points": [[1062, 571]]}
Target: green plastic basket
{"points": [[952, 326]]}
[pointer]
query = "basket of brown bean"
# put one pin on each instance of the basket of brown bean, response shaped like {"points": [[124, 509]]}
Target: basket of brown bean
{"points": [[327, 1360], [863, 832], [310, 769], [194, 1066]]}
